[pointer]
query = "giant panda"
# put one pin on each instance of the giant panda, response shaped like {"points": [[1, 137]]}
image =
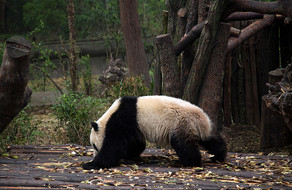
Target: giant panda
{"points": [[122, 131]]}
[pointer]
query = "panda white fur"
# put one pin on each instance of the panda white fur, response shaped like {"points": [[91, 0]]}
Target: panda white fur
{"points": [[121, 132]]}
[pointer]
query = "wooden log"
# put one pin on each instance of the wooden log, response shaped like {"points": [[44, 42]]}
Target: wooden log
{"points": [[227, 91], [188, 55], [250, 31], [14, 94], [238, 16], [283, 7], [234, 31], [169, 68], [203, 53], [275, 75], [194, 33], [254, 83], [213, 80], [245, 58], [267, 46], [274, 132]]}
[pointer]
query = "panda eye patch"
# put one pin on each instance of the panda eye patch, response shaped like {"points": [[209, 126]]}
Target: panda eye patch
{"points": [[95, 147]]}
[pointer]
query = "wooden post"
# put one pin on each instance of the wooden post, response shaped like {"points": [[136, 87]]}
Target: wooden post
{"points": [[169, 68], [14, 94], [210, 97], [248, 86], [227, 91], [254, 84]]}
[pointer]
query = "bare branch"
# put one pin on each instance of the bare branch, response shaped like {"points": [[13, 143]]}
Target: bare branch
{"points": [[243, 16], [250, 31], [283, 7]]}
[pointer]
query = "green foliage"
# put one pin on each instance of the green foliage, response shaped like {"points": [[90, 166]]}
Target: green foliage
{"points": [[42, 65], [75, 112], [129, 86], [20, 131], [86, 74], [150, 16], [51, 13]]}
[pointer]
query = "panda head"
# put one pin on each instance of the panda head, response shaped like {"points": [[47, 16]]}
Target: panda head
{"points": [[98, 128], [96, 137]]}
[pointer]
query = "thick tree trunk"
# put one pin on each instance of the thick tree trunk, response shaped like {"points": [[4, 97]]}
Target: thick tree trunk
{"points": [[188, 55], [73, 52], [210, 98], [136, 56], [173, 7], [203, 53], [14, 94], [169, 68]]}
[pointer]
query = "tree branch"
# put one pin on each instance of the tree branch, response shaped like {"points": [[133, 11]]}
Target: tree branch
{"points": [[283, 7], [243, 16], [250, 31]]}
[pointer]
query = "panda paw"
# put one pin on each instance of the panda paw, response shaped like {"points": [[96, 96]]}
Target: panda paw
{"points": [[89, 166]]}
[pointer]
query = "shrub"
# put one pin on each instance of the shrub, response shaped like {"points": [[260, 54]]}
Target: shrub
{"points": [[20, 131], [129, 86], [75, 112]]}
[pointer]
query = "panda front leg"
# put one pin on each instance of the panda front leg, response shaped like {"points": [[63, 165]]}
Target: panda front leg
{"points": [[186, 149], [108, 156]]}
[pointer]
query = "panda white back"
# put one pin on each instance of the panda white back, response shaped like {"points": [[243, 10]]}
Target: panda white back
{"points": [[161, 116]]}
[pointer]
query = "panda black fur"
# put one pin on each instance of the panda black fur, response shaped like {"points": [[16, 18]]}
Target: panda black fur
{"points": [[123, 130]]}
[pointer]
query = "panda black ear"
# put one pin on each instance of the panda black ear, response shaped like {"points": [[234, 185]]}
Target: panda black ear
{"points": [[94, 126]]}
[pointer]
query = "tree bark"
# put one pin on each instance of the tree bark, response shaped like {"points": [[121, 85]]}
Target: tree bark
{"points": [[250, 31], [210, 98], [14, 94], [188, 53], [73, 52], [203, 53], [237, 16], [136, 56], [283, 7], [227, 91], [170, 72]]}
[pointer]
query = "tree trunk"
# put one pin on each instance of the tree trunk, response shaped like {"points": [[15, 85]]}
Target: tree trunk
{"points": [[169, 68], [136, 56], [14, 94], [173, 7], [210, 98], [73, 52], [203, 53], [188, 55]]}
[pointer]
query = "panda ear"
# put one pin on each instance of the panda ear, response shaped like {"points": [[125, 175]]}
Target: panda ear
{"points": [[94, 126]]}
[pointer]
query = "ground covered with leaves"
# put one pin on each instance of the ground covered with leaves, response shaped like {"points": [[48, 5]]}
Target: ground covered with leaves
{"points": [[60, 167]]}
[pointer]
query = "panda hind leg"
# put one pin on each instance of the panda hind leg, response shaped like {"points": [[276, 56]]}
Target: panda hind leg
{"points": [[187, 150], [216, 145]]}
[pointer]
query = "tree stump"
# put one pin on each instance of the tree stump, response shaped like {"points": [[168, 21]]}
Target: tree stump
{"points": [[14, 93], [276, 124]]}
